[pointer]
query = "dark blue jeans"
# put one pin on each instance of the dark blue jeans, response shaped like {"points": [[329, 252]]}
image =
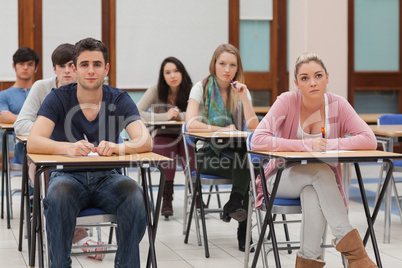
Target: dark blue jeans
{"points": [[69, 193]]}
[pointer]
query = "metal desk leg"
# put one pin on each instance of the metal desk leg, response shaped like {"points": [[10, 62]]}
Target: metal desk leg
{"points": [[371, 219], [268, 216], [3, 158], [36, 220], [197, 194], [6, 171], [152, 225], [24, 197]]}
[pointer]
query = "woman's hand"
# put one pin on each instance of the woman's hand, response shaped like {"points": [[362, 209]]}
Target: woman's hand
{"points": [[319, 144], [173, 113], [241, 89]]}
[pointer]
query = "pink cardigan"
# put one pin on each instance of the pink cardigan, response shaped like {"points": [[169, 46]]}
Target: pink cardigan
{"points": [[277, 132]]}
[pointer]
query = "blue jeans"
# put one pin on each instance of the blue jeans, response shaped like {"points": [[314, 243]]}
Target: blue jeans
{"points": [[69, 193]]}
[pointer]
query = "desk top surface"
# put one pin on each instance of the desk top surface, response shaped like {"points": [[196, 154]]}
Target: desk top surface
{"points": [[22, 138], [164, 123], [261, 109], [370, 118], [7, 126], [207, 135], [357, 154], [387, 130], [43, 159]]}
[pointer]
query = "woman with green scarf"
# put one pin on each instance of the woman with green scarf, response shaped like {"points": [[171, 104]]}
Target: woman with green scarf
{"points": [[221, 102]]}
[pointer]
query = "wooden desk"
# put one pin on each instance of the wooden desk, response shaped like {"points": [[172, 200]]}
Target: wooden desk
{"points": [[261, 110], [142, 161], [164, 124], [5, 173], [370, 118], [387, 130], [216, 138], [387, 135], [302, 158]]}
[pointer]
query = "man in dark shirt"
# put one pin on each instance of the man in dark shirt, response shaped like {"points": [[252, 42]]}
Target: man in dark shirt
{"points": [[85, 117]]}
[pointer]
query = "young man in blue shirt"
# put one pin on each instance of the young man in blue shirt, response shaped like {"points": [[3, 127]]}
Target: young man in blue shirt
{"points": [[80, 118], [25, 64]]}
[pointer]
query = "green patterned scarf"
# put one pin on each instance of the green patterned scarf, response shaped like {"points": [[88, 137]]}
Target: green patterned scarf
{"points": [[214, 109]]}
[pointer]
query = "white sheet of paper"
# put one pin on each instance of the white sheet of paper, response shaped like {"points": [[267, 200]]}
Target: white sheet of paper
{"points": [[336, 151], [92, 154]]}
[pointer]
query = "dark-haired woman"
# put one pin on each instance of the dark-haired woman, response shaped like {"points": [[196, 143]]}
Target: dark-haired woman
{"points": [[164, 102]]}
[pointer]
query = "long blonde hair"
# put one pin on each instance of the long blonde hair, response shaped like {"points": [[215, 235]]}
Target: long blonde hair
{"points": [[306, 57], [233, 97]]}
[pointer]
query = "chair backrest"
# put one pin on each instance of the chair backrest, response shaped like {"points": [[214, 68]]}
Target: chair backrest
{"points": [[390, 119], [189, 141], [255, 159]]}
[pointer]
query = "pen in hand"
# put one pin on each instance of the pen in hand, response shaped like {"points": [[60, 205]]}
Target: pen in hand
{"points": [[86, 139], [231, 81], [323, 132]]}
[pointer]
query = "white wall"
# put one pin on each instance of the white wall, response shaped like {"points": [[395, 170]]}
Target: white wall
{"points": [[149, 31], [8, 46], [320, 26], [64, 22]]}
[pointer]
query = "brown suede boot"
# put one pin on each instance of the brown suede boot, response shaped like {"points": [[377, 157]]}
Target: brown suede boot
{"points": [[351, 246], [167, 208], [308, 263]]}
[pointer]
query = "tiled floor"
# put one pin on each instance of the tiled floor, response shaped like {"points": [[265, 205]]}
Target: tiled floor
{"points": [[172, 252]]}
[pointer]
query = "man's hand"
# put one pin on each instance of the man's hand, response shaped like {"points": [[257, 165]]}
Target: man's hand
{"points": [[5, 112], [80, 148], [107, 148]]}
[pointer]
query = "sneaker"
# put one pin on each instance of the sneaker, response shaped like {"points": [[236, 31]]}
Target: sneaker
{"points": [[90, 242]]}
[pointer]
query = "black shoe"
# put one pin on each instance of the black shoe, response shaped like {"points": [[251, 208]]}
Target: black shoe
{"points": [[234, 208], [241, 237]]}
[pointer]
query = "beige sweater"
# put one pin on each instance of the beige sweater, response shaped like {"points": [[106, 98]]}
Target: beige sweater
{"points": [[158, 110]]}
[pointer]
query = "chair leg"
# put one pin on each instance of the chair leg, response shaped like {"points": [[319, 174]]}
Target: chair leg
{"points": [[249, 231], [286, 230], [110, 235], [397, 198]]}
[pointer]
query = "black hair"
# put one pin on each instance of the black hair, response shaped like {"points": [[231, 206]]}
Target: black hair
{"points": [[185, 86], [24, 54], [63, 54], [90, 44]]}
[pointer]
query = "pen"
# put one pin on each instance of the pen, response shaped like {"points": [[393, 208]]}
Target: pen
{"points": [[323, 132], [231, 81], [85, 137]]}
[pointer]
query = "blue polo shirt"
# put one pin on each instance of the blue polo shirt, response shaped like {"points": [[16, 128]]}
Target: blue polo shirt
{"points": [[12, 99]]}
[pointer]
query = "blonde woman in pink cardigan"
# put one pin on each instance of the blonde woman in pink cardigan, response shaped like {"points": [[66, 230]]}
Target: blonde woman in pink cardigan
{"points": [[294, 123]]}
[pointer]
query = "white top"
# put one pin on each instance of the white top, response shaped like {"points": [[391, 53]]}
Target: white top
{"points": [[303, 135], [197, 93], [27, 116]]}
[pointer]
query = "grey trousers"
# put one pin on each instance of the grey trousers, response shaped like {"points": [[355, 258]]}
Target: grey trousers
{"points": [[321, 203]]}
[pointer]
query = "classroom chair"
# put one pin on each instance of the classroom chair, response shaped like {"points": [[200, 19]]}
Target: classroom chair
{"points": [[211, 182], [87, 218], [391, 119], [281, 207]]}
